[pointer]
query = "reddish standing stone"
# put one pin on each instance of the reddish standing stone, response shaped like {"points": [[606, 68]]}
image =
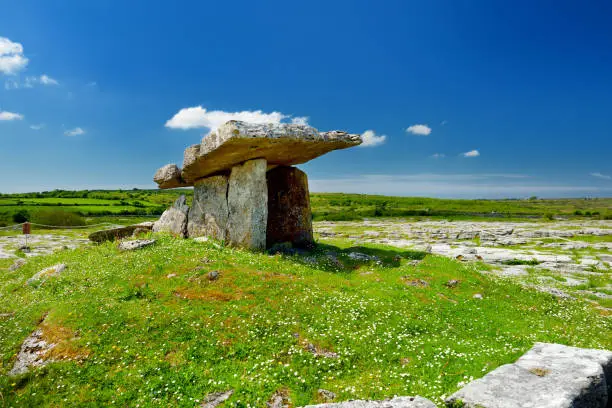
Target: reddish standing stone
{"points": [[289, 216]]}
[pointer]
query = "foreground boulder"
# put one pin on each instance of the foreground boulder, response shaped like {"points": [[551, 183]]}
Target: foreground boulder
{"points": [[398, 402], [547, 376], [31, 354], [289, 215], [174, 219]]}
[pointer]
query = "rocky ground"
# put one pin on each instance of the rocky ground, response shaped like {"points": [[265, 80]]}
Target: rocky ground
{"points": [[564, 258], [39, 244]]}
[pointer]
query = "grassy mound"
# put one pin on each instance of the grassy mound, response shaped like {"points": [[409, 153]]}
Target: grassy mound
{"points": [[149, 328]]}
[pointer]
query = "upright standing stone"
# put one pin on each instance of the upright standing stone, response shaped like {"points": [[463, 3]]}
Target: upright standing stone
{"points": [[174, 219], [208, 215], [289, 216], [248, 205]]}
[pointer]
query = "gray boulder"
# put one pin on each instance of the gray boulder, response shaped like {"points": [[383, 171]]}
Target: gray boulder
{"points": [[547, 376], [31, 353], [19, 262], [247, 200], [46, 273], [174, 219], [136, 244], [209, 212], [398, 402], [169, 176]]}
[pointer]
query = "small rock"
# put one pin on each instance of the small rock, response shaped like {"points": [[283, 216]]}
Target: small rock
{"points": [[47, 273], [31, 353], [215, 399], [137, 244], [453, 283], [477, 296], [419, 283], [19, 262], [326, 395], [358, 256], [320, 352], [171, 275], [414, 262], [213, 275]]}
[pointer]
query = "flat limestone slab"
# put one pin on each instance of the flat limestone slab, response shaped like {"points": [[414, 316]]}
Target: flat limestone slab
{"points": [[279, 144], [397, 402], [547, 376]]}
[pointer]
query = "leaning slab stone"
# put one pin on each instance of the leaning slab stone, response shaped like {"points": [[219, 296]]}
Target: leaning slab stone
{"points": [[136, 244], [247, 200], [169, 176], [46, 273], [209, 211], [174, 219], [289, 216], [548, 376], [398, 402], [280, 144], [118, 233]]}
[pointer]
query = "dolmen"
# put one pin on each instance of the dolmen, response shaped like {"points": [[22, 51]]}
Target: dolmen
{"points": [[246, 191]]}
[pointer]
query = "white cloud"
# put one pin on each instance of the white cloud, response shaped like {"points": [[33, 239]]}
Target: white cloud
{"points": [[199, 117], [10, 116], [471, 153], [601, 176], [419, 130], [11, 57], [37, 127], [370, 139], [300, 120], [47, 80], [74, 132], [438, 156]]}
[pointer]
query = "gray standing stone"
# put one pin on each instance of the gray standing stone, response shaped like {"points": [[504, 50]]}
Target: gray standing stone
{"points": [[174, 219], [547, 376], [209, 212], [289, 215], [248, 205], [398, 402]]}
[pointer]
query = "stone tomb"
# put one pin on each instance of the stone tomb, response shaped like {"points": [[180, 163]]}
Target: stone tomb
{"points": [[246, 191]]}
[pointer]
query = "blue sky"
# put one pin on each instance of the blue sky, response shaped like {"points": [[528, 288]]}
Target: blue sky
{"points": [[88, 90]]}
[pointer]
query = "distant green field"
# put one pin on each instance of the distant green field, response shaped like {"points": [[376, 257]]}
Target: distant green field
{"points": [[325, 206]]}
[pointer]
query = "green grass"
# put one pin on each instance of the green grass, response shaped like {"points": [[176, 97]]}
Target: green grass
{"points": [[139, 337], [325, 206]]}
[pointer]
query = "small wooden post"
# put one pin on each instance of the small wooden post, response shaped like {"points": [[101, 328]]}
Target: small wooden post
{"points": [[27, 229]]}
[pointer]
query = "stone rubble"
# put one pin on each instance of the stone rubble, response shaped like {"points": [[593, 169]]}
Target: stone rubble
{"points": [[397, 402]]}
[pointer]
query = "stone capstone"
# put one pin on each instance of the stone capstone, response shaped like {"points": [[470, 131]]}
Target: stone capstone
{"points": [[247, 200], [174, 219], [209, 211], [397, 402], [279, 144], [547, 376], [169, 176], [289, 215]]}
